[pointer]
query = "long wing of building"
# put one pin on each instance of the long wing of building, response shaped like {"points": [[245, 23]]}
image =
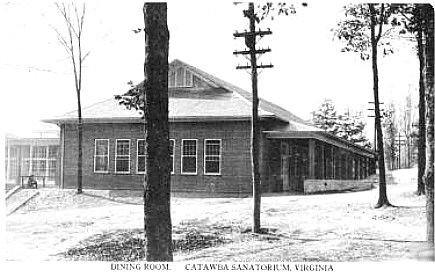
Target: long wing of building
{"points": [[210, 143]]}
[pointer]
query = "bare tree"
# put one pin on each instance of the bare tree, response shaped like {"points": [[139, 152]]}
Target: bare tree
{"points": [[72, 42]]}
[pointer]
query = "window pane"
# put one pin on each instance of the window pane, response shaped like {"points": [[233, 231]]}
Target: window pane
{"points": [[171, 147], [52, 168], [141, 164], [102, 147], [101, 164], [25, 152], [189, 147], [52, 151], [189, 165], [39, 152], [212, 147], [122, 165], [212, 166], [172, 164], [141, 147], [38, 167], [122, 147]]}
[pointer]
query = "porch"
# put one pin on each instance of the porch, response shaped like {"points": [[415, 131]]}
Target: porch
{"points": [[317, 162]]}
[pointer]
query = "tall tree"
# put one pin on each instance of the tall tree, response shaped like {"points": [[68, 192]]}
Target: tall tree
{"points": [[158, 226], [421, 105], [73, 44], [413, 22], [326, 117], [346, 126], [362, 31], [151, 98], [428, 31]]}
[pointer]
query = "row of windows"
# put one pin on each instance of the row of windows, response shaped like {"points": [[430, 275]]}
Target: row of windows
{"points": [[189, 154]]}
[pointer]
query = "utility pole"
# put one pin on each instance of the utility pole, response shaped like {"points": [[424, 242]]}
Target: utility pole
{"points": [[400, 142], [250, 41], [375, 133]]}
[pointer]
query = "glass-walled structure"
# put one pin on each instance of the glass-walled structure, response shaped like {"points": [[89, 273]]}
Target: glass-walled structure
{"points": [[25, 157]]}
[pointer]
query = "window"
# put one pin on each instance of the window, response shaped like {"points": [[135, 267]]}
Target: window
{"points": [[212, 156], [140, 156], [39, 160], [122, 156], [101, 156], [171, 153], [188, 156]]}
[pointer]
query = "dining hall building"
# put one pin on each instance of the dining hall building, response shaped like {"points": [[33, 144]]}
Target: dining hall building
{"points": [[209, 122]]}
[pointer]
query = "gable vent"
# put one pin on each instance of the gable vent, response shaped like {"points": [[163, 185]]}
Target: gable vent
{"points": [[180, 78]]}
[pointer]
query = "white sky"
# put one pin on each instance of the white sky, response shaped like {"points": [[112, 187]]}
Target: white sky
{"points": [[36, 78]]}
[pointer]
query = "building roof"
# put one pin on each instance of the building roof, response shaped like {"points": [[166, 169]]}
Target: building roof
{"points": [[211, 99], [217, 100]]}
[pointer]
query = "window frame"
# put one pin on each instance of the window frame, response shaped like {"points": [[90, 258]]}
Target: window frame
{"points": [[196, 157], [220, 157], [129, 156], [138, 156], [173, 156], [108, 155]]}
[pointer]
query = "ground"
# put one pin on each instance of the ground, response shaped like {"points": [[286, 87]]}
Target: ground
{"points": [[60, 225]]}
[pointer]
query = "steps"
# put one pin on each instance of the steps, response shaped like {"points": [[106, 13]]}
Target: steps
{"points": [[19, 199]]}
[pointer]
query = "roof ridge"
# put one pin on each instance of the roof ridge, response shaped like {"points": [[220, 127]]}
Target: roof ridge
{"points": [[244, 94]]}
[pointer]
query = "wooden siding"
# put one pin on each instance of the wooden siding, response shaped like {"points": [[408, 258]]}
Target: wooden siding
{"points": [[235, 172]]}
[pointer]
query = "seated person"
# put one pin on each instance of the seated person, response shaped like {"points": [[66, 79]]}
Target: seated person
{"points": [[32, 183]]}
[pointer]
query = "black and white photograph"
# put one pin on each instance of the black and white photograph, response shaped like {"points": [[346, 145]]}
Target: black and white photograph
{"points": [[217, 136]]}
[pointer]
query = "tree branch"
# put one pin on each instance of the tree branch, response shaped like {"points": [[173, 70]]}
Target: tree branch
{"points": [[381, 23]]}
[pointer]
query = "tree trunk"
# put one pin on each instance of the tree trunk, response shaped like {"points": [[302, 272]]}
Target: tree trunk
{"points": [[429, 171], [80, 158], [421, 112], [255, 128], [157, 217], [382, 200]]}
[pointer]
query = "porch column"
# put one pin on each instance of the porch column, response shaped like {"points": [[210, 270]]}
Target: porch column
{"points": [[311, 159], [322, 161], [357, 167]]}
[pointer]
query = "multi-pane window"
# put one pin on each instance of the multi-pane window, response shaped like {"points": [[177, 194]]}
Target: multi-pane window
{"points": [[180, 77], [39, 160], [171, 153], [122, 156], [188, 156], [101, 156], [212, 156], [140, 162]]}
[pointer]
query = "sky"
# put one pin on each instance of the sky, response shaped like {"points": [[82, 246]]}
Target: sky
{"points": [[37, 81]]}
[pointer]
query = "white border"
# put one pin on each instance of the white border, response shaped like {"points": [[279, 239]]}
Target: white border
{"points": [[173, 156], [137, 157], [220, 157], [196, 158], [108, 154], [116, 156]]}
